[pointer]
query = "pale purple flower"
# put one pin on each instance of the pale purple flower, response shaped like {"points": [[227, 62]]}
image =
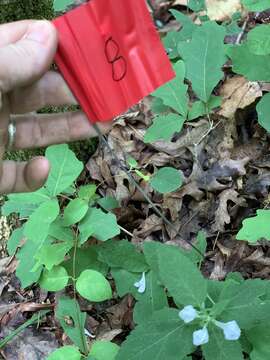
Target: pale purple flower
{"points": [[200, 337], [141, 284], [230, 329], [188, 314]]}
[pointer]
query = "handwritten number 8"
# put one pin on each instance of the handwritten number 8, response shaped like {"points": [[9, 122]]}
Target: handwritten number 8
{"points": [[118, 62]]}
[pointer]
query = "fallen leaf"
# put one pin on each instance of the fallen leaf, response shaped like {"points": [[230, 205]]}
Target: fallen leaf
{"points": [[221, 10]]}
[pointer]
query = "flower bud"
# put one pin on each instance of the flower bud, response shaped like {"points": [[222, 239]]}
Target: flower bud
{"points": [[188, 314], [200, 336], [141, 284], [230, 329]]}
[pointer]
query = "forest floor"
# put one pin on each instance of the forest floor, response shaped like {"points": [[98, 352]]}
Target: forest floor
{"points": [[226, 179]]}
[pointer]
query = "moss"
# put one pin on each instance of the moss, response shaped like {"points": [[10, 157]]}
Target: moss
{"points": [[13, 10]]}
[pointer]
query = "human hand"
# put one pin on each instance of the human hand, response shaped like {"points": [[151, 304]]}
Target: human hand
{"points": [[27, 49]]}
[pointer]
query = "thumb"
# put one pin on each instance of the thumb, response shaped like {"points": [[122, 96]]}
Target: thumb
{"points": [[24, 61]]}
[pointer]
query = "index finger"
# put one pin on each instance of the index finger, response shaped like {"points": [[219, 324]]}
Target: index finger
{"points": [[12, 32]]}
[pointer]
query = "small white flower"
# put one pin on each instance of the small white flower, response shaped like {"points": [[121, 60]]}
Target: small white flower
{"points": [[188, 314], [200, 337], [141, 284], [230, 329]]}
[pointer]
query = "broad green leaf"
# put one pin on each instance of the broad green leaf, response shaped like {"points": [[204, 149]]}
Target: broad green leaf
{"points": [[181, 277], [166, 180], [259, 337], [263, 110], [87, 192], [187, 24], [258, 40], [67, 352], [38, 224], [54, 280], [170, 42], [59, 232], [26, 263], [69, 309], [108, 203], [124, 281], [174, 93], [15, 240], [218, 348], [164, 127], [165, 336], [158, 107], [256, 5], [204, 56], [256, 227], [86, 258], [200, 244], [93, 286], [74, 212], [65, 168], [61, 5], [251, 66], [154, 298], [52, 254], [245, 298], [199, 108], [99, 224], [104, 350], [25, 203], [122, 254]]}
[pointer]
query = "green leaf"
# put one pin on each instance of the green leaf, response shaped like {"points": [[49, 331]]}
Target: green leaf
{"points": [[256, 5], [66, 352], [220, 348], [259, 337], [65, 168], [154, 298], [204, 56], [122, 254], [174, 93], [196, 5], [170, 42], [164, 127], [263, 110], [54, 280], [166, 180], [181, 277], [253, 67], [199, 108], [108, 203], [38, 224], [87, 192], [188, 25], [158, 107], [104, 350], [124, 281], [74, 212], [99, 224], [256, 227], [93, 286], [245, 298], [59, 232], [61, 5], [86, 258], [165, 336], [69, 309], [25, 203], [15, 240], [52, 254], [26, 263], [258, 40]]}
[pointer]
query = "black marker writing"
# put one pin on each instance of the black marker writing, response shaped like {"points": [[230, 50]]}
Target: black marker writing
{"points": [[118, 62]]}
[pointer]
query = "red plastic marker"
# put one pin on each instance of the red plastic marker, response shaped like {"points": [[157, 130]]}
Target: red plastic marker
{"points": [[111, 56]]}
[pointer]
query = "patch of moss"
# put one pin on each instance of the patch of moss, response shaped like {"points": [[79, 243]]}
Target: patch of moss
{"points": [[13, 10]]}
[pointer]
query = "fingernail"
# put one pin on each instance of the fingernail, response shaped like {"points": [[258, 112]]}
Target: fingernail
{"points": [[40, 32]]}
